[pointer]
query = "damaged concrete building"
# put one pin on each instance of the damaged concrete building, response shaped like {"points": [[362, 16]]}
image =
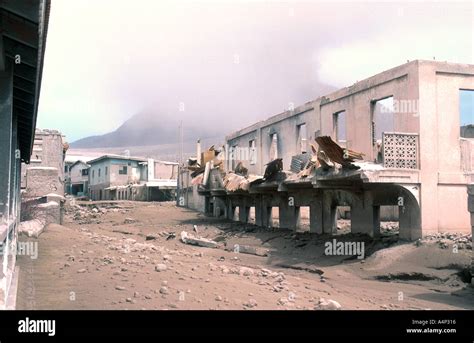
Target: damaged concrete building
{"points": [[23, 30], [116, 177], [416, 156]]}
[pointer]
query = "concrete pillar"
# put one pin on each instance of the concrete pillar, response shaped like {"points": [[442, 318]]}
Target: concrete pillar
{"points": [[329, 214], [244, 211], [230, 213], [297, 220], [263, 211], [258, 210], [288, 215], [207, 205], [220, 207], [316, 215], [409, 222], [376, 221], [365, 217], [267, 219]]}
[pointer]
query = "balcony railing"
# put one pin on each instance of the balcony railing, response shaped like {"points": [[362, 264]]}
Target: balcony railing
{"points": [[400, 150]]}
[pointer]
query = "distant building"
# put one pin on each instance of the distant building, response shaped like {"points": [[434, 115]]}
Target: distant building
{"points": [[77, 178], [115, 177], [109, 171], [161, 180]]}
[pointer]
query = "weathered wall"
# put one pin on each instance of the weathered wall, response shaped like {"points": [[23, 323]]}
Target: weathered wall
{"points": [[132, 176], [42, 181], [187, 194], [165, 170], [285, 125], [97, 183], [48, 152], [76, 173], [358, 101], [467, 154], [442, 176]]}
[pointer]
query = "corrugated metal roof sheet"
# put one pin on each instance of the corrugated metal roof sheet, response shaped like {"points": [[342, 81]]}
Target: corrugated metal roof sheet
{"points": [[298, 162]]}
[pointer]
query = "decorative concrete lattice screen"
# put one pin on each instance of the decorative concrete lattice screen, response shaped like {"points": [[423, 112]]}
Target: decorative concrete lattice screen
{"points": [[400, 150]]}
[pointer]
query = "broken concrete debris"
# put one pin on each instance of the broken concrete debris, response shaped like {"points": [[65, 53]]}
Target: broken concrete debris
{"points": [[251, 303], [171, 235], [129, 221], [447, 240], [207, 161], [161, 267], [31, 228], [326, 156], [324, 160], [309, 268], [245, 271], [234, 182], [187, 238], [247, 249], [327, 304]]}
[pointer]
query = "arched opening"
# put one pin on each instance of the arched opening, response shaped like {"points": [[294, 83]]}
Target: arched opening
{"points": [[409, 213]]}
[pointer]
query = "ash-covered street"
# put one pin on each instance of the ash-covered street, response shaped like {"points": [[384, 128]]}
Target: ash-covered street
{"points": [[129, 255]]}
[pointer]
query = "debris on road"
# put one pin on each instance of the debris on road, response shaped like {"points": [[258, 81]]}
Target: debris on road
{"points": [[32, 228], [247, 249], [327, 304], [143, 264], [161, 267], [129, 221], [150, 237], [310, 269], [199, 241]]}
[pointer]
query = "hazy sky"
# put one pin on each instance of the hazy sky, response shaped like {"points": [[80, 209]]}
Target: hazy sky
{"points": [[230, 63]]}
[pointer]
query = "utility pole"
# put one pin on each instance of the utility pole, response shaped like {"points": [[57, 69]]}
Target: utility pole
{"points": [[181, 142]]}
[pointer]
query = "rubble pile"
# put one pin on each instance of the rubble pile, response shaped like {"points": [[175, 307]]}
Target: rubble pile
{"points": [[447, 240], [234, 182], [389, 227], [201, 168], [328, 155], [90, 213]]}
